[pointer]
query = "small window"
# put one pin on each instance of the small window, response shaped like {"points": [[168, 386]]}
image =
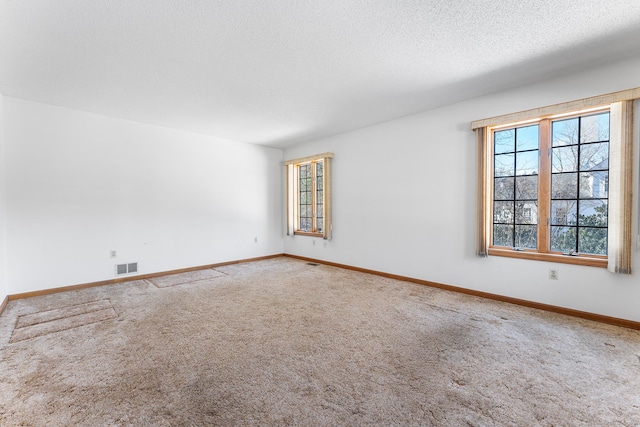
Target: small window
{"points": [[309, 196]]}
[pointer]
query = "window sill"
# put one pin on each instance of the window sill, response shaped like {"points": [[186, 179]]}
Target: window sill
{"points": [[306, 233], [591, 261]]}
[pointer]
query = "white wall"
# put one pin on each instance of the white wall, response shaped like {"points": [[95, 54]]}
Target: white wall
{"points": [[4, 291], [82, 184], [404, 201]]}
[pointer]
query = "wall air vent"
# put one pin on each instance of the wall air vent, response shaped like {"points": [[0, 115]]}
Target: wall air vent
{"points": [[128, 268]]}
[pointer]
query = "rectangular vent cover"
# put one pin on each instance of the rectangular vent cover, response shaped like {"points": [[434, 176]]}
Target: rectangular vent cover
{"points": [[128, 268]]}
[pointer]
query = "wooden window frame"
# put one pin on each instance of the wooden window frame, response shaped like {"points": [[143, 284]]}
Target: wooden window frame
{"points": [[543, 250], [621, 174], [314, 198], [292, 168]]}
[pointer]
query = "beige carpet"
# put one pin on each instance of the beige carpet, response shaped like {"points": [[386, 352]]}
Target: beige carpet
{"points": [[279, 342], [181, 278], [56, 320]]}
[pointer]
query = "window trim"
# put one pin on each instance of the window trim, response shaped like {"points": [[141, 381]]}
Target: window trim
{"points": [[581, 105], [620, 225]]}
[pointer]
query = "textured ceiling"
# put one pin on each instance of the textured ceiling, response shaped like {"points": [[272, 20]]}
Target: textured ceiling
{"points": [[282, 71]]}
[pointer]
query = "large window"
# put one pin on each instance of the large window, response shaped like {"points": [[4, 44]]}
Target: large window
{"points": [[556, 183], [309, 196], [572, 161]]}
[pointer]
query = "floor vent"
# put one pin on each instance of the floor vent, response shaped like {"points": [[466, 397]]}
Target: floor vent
{"points": [[313, 264], [129, 268]]}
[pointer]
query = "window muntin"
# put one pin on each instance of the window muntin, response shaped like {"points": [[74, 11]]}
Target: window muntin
{"points": [[571, 215]]}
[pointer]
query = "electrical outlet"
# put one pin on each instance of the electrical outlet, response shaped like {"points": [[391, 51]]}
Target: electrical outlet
{"points": [[113, 253], [255, 240], [553, 274]]}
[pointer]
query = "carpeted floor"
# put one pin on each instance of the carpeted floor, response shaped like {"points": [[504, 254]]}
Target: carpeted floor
{"points": [[280, 342]]}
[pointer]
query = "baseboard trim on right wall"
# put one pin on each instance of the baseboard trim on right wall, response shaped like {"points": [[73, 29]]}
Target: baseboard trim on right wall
{"points": [[525, 303]]}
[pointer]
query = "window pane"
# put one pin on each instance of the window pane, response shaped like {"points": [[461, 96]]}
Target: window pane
{"points": [[526, 187], [305, 171], [564, 186], [503, 189], [527, 213], [305, 224], [592, 241], [503, 212], [564, 212], [319, 218], [305, 198], [564, 132], [590, 184], [319, 179], [504, 141], [564, 159], [526, 236], [594, 128], [563, 239], [527, 138], [594, 185], [504, 165], [503, 235], [593, 213], [594, 156], [527, 163]]}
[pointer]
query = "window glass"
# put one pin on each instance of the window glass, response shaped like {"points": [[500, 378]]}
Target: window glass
{"points": [[515, 187], [579, 184], [310, 200]]}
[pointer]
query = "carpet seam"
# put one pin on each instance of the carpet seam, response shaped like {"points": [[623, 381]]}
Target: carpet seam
{"points": [[63, 317], [11, 341]]}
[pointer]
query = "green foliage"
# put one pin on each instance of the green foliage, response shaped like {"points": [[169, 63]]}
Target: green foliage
{"points": [[593, 240]]}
